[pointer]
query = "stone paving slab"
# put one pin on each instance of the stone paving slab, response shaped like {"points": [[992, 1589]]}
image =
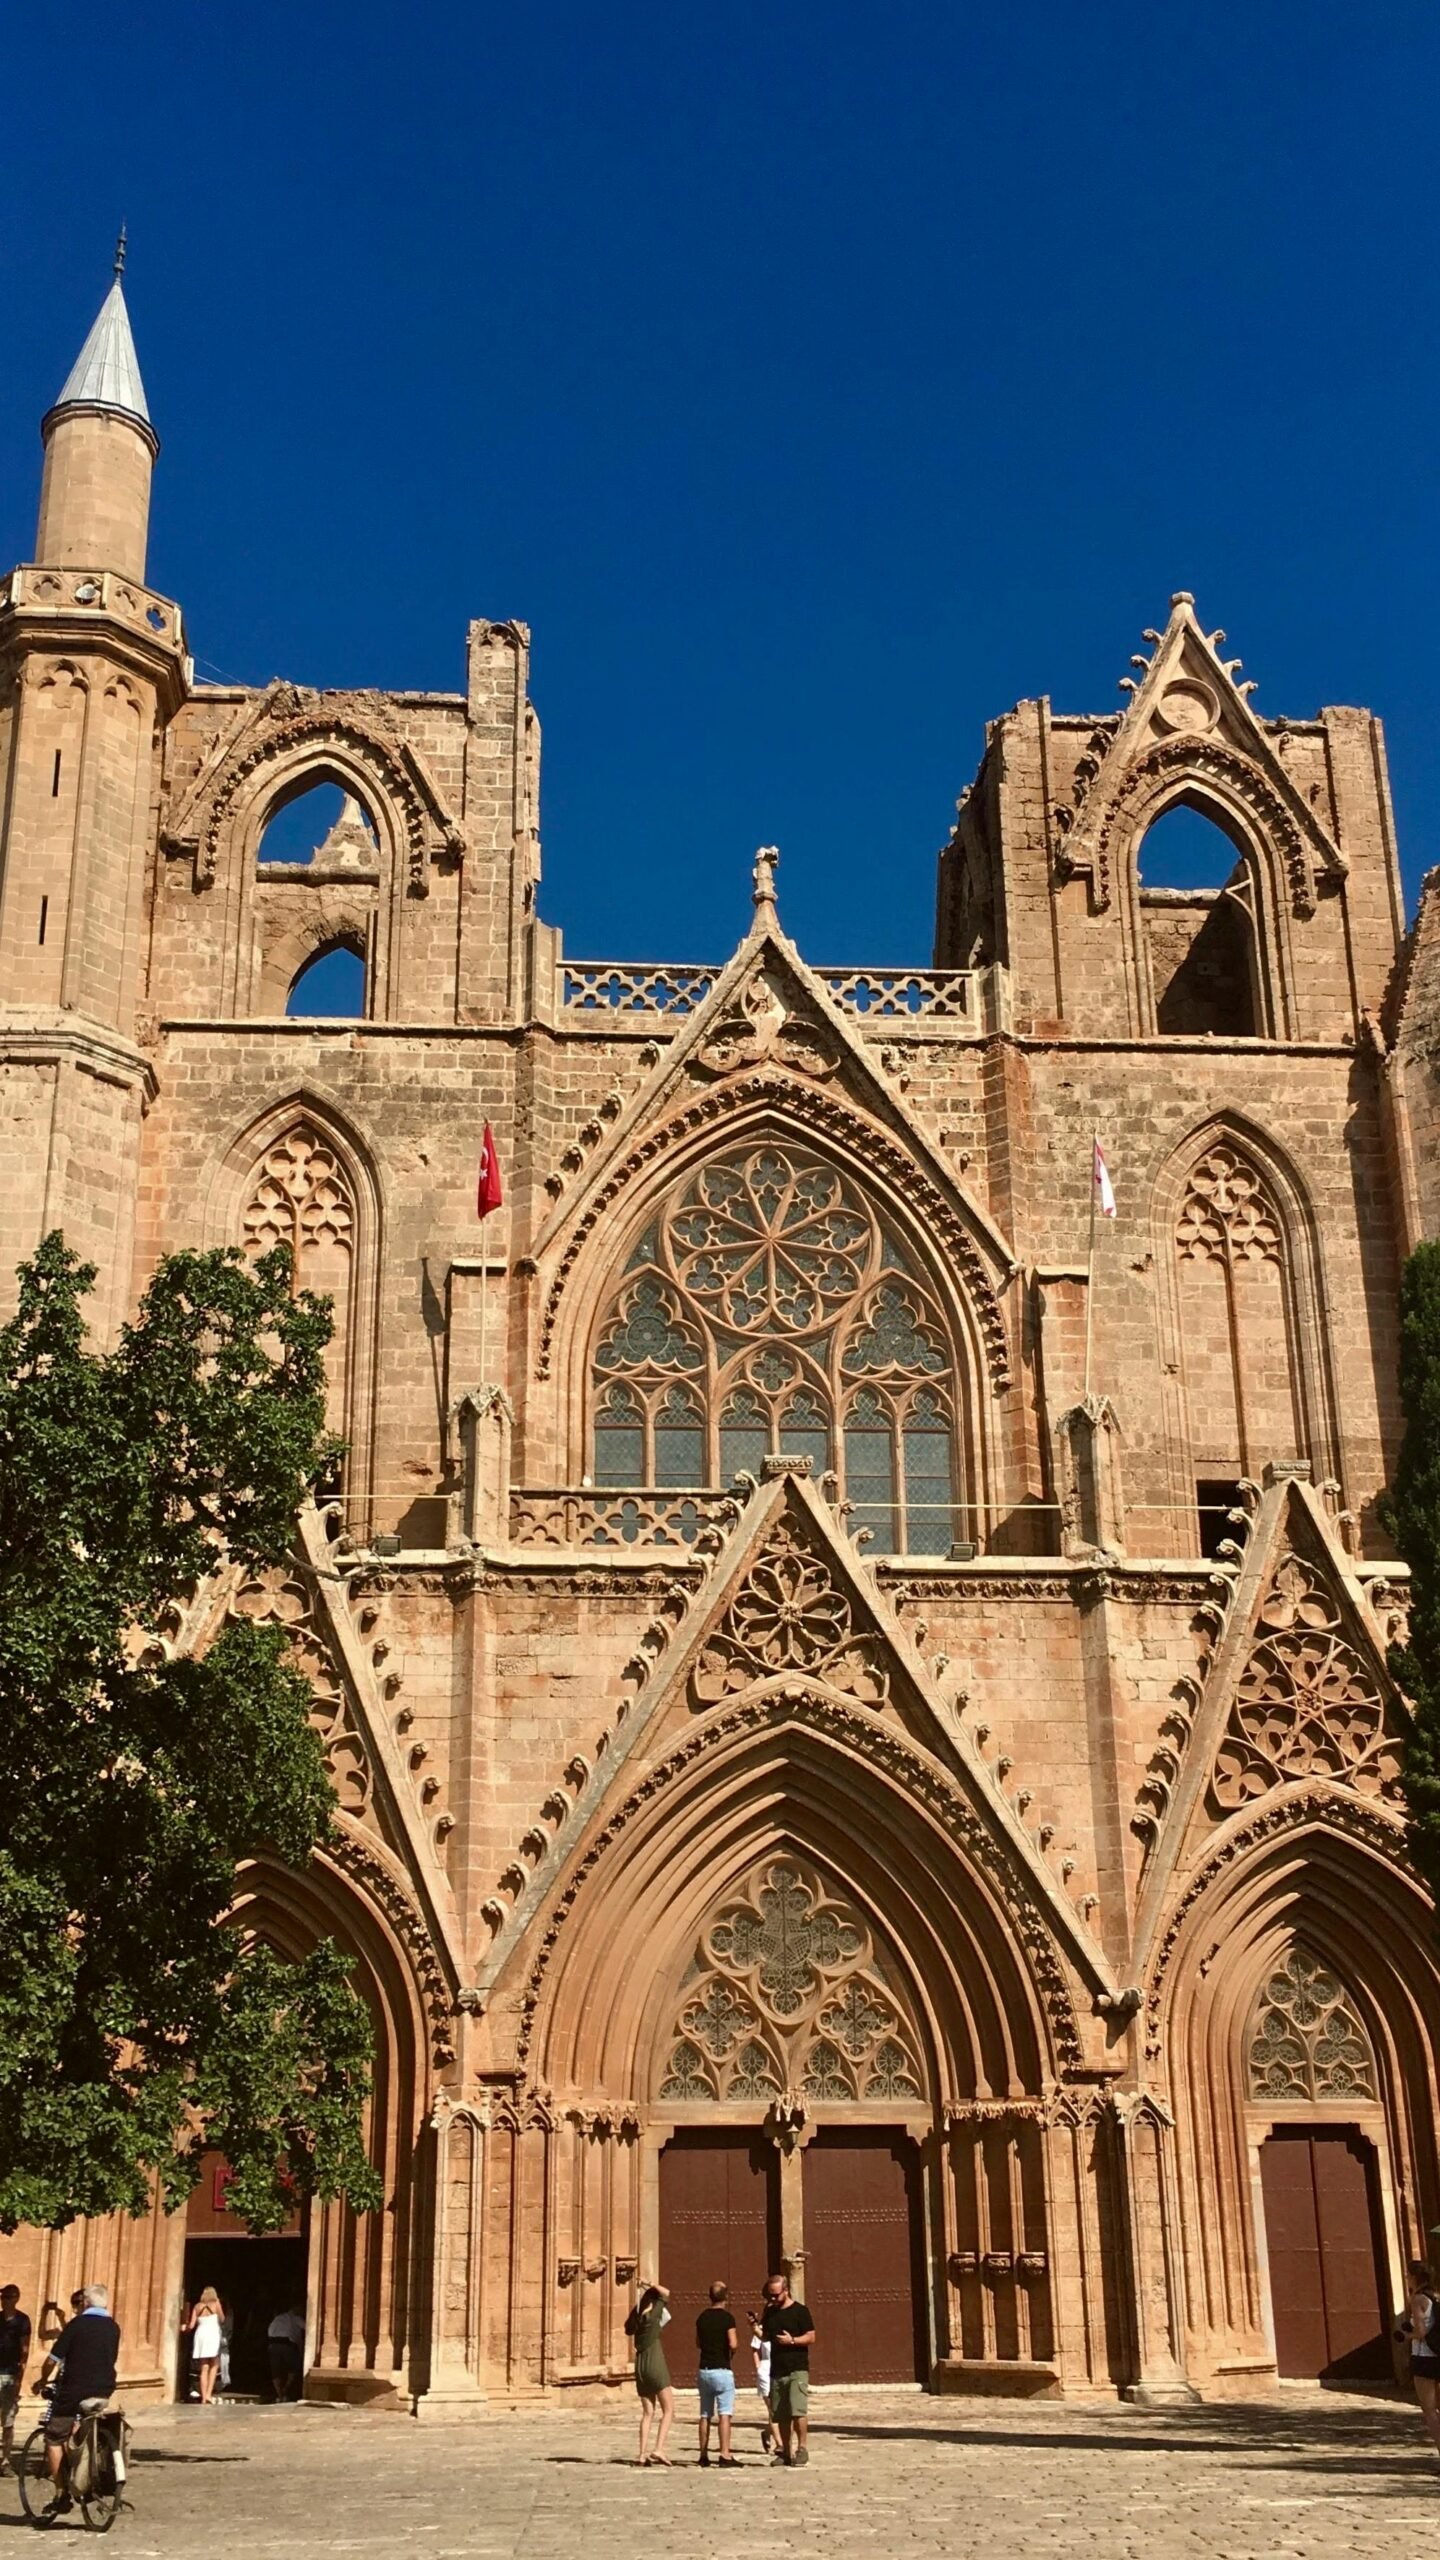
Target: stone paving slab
{"points": [[1308, 2475]]}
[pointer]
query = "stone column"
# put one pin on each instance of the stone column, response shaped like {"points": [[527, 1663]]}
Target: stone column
{"points": [[458, 2132], [1146, 2198]]}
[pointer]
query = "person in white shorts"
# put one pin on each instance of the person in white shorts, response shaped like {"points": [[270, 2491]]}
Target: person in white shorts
{"points": [[760, 2350]]}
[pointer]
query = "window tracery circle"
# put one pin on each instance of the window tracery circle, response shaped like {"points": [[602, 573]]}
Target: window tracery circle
{"points": [[1306, 2041], [771, 1286], [787, 1992]]}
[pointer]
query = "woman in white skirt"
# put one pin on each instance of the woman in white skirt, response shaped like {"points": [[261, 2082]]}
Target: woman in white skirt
{"points": [[206, 2341]]}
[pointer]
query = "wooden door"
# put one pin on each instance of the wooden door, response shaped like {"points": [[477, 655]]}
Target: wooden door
{"points": [[719, 2218], [863, 2257], [1321, 2230]]}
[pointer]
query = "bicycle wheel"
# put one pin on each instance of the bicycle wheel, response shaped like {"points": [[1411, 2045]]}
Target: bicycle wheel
{"points": [[100, 2503], [36, 2489]]}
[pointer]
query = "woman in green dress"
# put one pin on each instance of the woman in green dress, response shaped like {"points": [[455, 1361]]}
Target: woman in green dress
{"points": [[652, 2374]]}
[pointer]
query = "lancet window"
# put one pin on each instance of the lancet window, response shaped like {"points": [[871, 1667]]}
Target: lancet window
{"points": [[1237, 1319], [767, 1311], [300, 1195], [1306, 2042], [787, 1992]]}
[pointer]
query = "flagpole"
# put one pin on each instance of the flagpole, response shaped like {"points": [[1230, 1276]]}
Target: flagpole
{"points": [[484, 1302], [1090, 1279]]}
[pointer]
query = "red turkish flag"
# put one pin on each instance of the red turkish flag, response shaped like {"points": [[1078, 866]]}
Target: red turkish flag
{"points": [[488, 1193]]}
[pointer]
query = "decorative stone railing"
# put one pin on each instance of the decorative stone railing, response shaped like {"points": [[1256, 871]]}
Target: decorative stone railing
{"points": [[896, 995], [625, 987], [561, 1518], [96, 591], [606, 989]]}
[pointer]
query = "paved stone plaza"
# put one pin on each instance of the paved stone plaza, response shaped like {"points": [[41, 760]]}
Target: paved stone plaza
{"points": [[1309, 2474]]}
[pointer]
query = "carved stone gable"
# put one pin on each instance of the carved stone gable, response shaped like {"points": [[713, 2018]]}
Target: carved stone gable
{"points": [[790, 1615], [1306, 1705], [282, 1600], [787, 1995]]}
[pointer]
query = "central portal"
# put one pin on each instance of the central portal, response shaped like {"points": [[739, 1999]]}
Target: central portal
{"points": [[719, 2221], [864, 2258]]}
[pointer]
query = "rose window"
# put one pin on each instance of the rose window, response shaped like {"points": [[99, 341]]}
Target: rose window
{"points": [[767, 1311]]}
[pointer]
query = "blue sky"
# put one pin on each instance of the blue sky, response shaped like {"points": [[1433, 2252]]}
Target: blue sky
{"points": [[814, 381]]}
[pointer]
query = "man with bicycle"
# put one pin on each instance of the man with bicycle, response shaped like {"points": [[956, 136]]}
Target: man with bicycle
{"points": [[81, 2364]]}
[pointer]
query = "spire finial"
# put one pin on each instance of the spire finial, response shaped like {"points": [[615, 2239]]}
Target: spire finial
{"points": [[120, 247], [767, 857]]}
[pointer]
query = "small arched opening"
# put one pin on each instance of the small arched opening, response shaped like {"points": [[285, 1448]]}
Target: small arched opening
{"points": [[319, 826], [1198, 922], [331, 986]]}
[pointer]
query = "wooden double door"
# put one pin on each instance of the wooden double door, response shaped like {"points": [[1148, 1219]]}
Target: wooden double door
{"points": [[1322, 2233], [863, 2266]]}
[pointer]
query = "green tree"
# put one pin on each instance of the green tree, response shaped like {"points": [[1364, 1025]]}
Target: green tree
{"points": [[1414, 1510], [136, 2022]]}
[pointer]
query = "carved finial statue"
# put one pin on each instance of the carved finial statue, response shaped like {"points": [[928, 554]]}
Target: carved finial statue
{"points": [[767, 857]]}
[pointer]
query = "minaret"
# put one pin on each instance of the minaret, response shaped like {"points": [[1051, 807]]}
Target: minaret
{"points": [[92, 667], [100, 450]]}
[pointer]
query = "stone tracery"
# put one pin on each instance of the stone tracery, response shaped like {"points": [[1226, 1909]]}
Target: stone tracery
{"points": [[789, 1615], [786, 1991], [1306, 2041], [300, 1195], [1306, 1706], [767, 1283]]}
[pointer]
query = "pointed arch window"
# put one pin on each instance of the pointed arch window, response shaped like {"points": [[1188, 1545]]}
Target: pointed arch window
{"points": [[1237, 1320], [300, 1195], [767, 1310]]}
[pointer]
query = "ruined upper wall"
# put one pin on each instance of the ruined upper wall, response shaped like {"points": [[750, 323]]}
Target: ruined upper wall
{"points": [[450, 784], [1043, 870]]}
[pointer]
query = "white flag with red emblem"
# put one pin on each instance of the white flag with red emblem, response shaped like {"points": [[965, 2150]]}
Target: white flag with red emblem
{"points": [[1104, 1187]]}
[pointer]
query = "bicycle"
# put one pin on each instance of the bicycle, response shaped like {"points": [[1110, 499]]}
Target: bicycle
{"points": [[93, 2468]]}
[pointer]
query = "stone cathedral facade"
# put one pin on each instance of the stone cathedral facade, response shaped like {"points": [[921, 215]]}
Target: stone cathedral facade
{"points": [[857, 1735]]}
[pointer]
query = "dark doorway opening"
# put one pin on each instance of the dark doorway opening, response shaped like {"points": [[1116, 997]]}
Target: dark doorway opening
{"points": [[254, 2278], [1322, 2231], [864, 2256], [719, 2220]]}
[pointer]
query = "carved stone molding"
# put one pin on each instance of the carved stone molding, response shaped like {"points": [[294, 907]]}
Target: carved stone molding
{"points": [[1291, 1811], [1306, 1706], [286, 722], [789, 1614], [788, 1997], [374, 1877], [1306, 2041], [1089, 842], [849, 1727]]}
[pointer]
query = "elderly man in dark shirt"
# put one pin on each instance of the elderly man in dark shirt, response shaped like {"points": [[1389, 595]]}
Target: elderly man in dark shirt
{"points": [[81, 2364]]}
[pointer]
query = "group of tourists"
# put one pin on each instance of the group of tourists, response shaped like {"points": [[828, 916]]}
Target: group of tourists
{"points": [[782, 2334]]}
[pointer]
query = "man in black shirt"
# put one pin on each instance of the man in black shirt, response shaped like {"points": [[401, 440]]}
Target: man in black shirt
{"points": [[14, 2356], [716, 2341], [791, 2332], [85, 2354]]}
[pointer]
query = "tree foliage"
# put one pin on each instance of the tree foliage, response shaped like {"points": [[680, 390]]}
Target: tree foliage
{"points": [[1414, 1510], [137, 2022]]}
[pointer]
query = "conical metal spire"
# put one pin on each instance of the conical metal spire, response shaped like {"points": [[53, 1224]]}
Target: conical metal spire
{"points": [[106, 372]]}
